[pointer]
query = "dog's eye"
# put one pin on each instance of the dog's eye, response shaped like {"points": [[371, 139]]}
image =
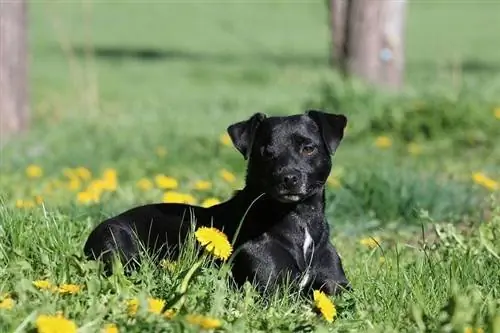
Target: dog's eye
{"points": [[308, 150]]}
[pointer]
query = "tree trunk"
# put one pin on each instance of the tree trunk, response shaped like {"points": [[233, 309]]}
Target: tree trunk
{"points": [[373, 40], [392, 63], [337, 12], [13, 67]]}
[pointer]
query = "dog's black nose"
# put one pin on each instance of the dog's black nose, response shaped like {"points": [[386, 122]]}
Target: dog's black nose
{"points": [[290, 179]]}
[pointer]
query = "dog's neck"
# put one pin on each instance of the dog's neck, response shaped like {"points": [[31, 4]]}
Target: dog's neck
{"points": [[263, 212]]}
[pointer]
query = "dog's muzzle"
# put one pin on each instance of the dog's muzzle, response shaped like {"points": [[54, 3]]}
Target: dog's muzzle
{"points": [[291, 187]]}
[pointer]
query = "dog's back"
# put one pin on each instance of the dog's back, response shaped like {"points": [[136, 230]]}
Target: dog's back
{"points": [[159, 229]]}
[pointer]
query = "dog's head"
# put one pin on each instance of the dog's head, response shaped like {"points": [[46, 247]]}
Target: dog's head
{"points": [[289, 158]]}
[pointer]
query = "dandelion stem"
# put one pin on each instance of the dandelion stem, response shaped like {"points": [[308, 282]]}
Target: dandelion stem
{"points": [[180, 298], [243, 218]]}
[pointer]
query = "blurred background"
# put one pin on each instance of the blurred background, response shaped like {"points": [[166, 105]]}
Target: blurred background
{"points": [[108, 104]]}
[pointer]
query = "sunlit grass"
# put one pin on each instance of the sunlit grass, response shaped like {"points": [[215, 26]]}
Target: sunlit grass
{"points": [[115, 132]]}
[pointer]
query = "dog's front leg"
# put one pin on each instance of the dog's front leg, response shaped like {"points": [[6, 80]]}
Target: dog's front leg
{"points": [[328, 274], [266, 265]]}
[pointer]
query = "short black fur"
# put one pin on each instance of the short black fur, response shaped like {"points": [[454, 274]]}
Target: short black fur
{"points": [[285, 233]]}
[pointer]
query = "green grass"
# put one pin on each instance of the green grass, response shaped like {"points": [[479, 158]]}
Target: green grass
{"points": [[175, 76], [415, 277]]}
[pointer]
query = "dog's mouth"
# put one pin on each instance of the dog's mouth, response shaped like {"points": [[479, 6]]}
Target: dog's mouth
{"points": [[289, 197]]}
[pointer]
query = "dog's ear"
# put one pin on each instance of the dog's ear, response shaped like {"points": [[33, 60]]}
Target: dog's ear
{"points": [[331, 127], [242, 133]]}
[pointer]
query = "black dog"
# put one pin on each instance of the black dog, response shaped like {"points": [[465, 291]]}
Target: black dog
{"points": [[284, 234]]}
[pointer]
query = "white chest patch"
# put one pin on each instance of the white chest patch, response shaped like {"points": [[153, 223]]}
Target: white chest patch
{"points": [[308, 242]]}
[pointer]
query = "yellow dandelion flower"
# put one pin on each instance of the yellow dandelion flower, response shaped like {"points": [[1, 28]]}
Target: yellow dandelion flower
{"points": [[176, 197], [214, 241], [383, 142], [43, 284], [20, 203], [83, 173], [109, 180], [144, 184], [166, 183], [38, 199], [80, 173], [96, 190], [75, 177], [202, 185], [97, 187], [209, 202], [169, 314], [87, 197], [154, 305], [132, 306], [6, 303], [471, 330], [496, 112], [189, 199], [478, 177], [490, 184], [483, 180], [34, 171], [227, 176], [161, 151], [204, 322], [333, 181], [29, 204], [110, 328], [225, 139], [74, 184], [414, 149], [324, 305], [370, 242], [109, 173], [68, 289], [55, 324]]}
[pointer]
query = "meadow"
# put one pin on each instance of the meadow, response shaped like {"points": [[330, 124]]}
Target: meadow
{"points": [[130, 103]]}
